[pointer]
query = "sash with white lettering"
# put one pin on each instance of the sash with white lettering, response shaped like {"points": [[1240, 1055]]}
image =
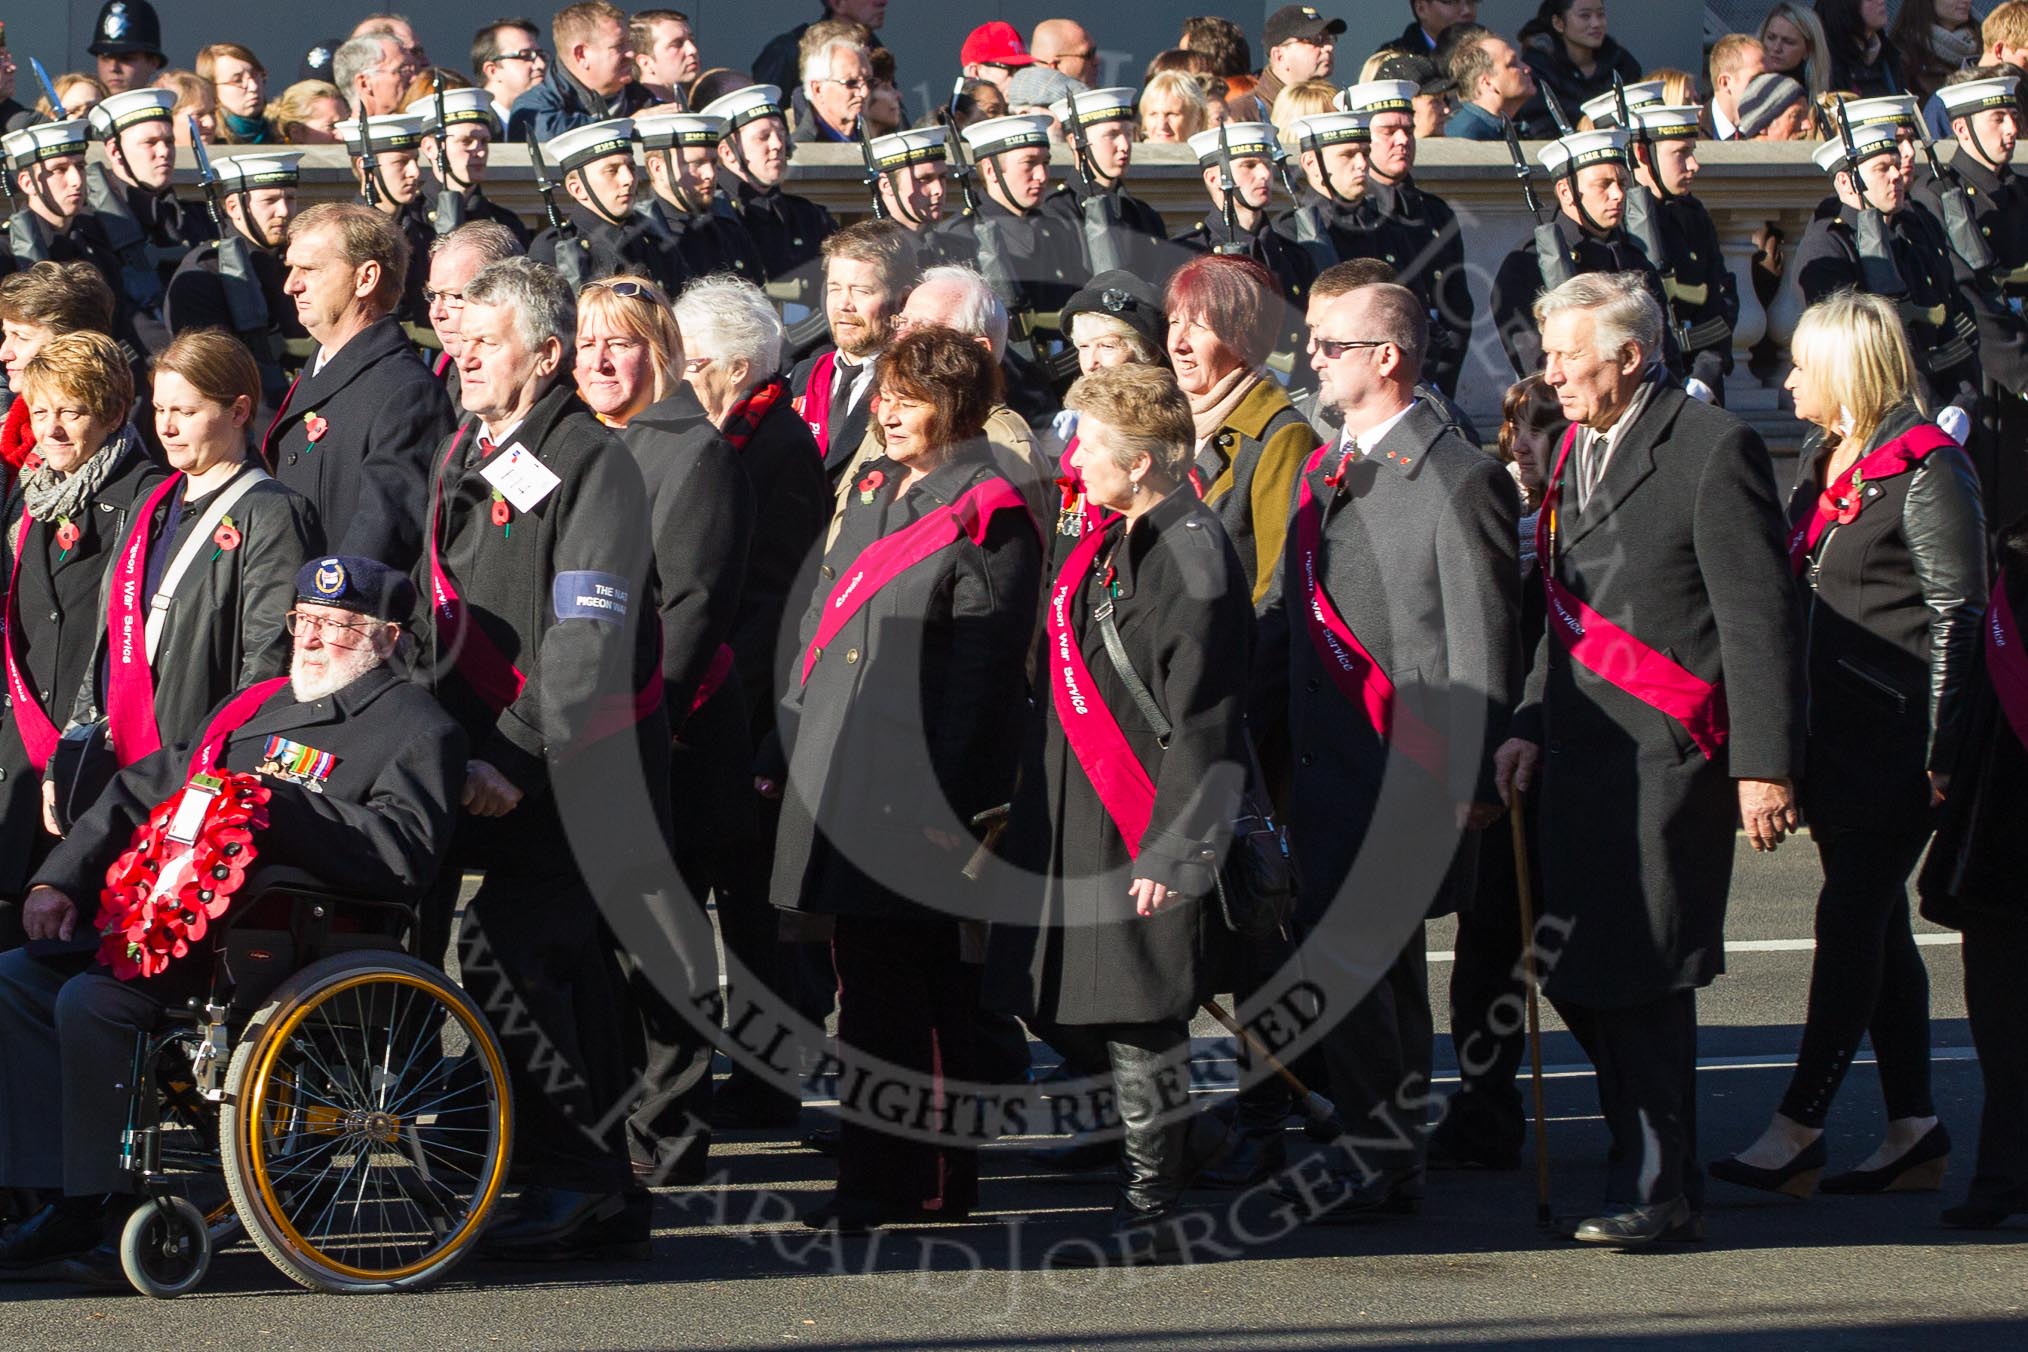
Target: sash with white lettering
{"points": [[2006, 663], [815, 401], [31, 723], [1844, 500], [1616, 656], [1094, 735], [130, 681], [230, 718], [891, 555], [1351, 667]]}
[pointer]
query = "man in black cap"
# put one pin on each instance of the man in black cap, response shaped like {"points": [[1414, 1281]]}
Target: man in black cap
{"points": [[1435, 90], [127, 40], [1301, 44], [366, 801], [132, 196]]}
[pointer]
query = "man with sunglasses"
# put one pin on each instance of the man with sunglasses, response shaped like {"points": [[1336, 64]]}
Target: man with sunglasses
{"points": [[508, 61], [778, 61], [597, 166], [836, 80], [695, 225]]}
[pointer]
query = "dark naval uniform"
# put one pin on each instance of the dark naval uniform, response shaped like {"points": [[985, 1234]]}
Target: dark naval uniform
{"points": [[413, 220], [787, 230], [608, 249], [31, 239], [1703, 296], [697, 244], [1519, 282], [1293, 267], [1417, 234], [1119, 230], [474, 205], [257, 311], [1033, 260], [151, 233]]}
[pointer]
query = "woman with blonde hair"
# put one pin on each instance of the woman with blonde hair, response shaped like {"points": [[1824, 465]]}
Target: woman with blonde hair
{"points": [[1300, 100], [240, 84], [1888, 544], [194, 99], [1173, 107], [79, 94], [307, 113], [629, 353], [1793, 37]]}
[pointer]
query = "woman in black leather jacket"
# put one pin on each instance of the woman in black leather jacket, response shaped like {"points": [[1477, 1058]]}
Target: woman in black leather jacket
{"points": [[1888, 542]]}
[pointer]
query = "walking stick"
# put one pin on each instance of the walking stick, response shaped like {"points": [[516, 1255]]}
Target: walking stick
{"points": [[1316, 1107], [1514, 813]]}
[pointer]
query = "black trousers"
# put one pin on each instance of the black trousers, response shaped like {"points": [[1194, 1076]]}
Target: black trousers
{"points": [[1996, 1001], [1646, 1058], [1488, 1041], [1379, 1058], [1867, 978], [904, 998]]}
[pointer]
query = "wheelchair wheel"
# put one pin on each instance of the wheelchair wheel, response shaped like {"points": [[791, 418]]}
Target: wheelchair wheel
{"points": [[367, 1124], [165, 1248]]}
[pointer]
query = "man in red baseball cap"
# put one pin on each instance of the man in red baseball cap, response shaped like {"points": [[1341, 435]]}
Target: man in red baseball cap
{"points": [[993, 52]]}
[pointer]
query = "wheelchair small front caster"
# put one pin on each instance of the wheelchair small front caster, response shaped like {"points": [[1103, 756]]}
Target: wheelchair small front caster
{"points": [[165, 1248]]}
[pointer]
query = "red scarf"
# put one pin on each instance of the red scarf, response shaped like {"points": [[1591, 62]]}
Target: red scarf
{"points": [[743, 419], [17, 440], [1096, 742]]}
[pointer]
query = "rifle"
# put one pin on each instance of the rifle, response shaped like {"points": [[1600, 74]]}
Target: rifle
{"points": [[450, 212], [961, 163], [369, 162], [1098, 212], [1967, 240], [56, 113], [1555, 106], [569, 261], [872, 172], [1877, 268], [207, 178], [1550, 256], [1228, 188]]}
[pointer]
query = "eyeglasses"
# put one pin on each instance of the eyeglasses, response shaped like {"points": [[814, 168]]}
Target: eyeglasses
{"points": [[298, 625], [525, 54], [1333, 349], [404, 72], [856, 86], [692, 365], [452, 300]]}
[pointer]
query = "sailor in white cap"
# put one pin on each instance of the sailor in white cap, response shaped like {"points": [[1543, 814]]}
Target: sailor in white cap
{"points": [[1417, 232], [1898, 111], [753, 157], [459, 127], [602, 234], [1033, 261], [912, 177], [1237, 161], [46, 186], [1589, 169], [130, 193], [1877, 243], [236, 283], [1120, 231], [386, 150], [1703, 298], [1984, 112], [1604, 111], [699, 232]]}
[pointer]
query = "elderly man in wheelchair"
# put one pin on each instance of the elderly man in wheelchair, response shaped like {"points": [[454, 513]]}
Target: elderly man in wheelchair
{"points": [[215, 982]]}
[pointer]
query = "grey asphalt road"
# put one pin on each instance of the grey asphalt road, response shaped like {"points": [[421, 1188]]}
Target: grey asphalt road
{"points": [[732, 1270]]}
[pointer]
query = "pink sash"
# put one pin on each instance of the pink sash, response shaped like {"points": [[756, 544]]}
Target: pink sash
{"points": [[230, 719], [440, 365], [1616, 656], [891, 555], [280, 413], [2006, 664], [130, 683], [1094, 735], [1351, 667], [31, 724], [815, 402], [1897, 457]]}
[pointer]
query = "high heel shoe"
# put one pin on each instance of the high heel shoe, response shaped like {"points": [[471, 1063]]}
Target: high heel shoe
{"points": [[1920, 1168], [1798, 1178]]}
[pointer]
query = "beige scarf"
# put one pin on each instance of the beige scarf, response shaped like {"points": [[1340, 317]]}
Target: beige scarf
{"points": [[1212, 408]]}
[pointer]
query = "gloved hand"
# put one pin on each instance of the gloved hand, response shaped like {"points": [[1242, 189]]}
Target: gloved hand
{"points": [[1699, 391], [1955, 422]]}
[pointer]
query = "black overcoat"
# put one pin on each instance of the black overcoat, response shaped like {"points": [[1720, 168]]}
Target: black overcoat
{"points": [[1419, 237], [630, 247], [1033, 260], [792, 506]]}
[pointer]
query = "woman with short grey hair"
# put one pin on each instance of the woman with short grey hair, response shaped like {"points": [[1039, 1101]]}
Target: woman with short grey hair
{"points": [[732, 340]]}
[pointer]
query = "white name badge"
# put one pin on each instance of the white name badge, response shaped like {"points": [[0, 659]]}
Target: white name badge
{"points": [[190, 808], [520, 477]]}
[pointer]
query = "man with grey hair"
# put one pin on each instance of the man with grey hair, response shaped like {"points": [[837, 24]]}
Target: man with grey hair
{"points": [[539, 639], [836, 79], [1401, 568], [455, 259], [1668, 694], [373, 72]]}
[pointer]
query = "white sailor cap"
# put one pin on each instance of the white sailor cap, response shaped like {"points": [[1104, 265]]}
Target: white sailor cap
{"points": [[594, 141], [1604, 111], [1089, 107], [1378, 96], [257, 169], [1581, 150], [899, 150], [45, 141], [1890, 110], [662, 129], [1875, 139], [1976, 96], [1669, 122], [1243, 140], [115, 113], [998, 135], [390, 131], [1317, 130], [746, 105], [460, 106]]}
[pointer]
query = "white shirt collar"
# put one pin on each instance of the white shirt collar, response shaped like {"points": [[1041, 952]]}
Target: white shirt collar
{"points": [[1723, 127], [1373, 435]]}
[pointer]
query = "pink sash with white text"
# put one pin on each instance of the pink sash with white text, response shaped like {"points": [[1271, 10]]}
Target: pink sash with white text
{"points": [[130, 680], [230, 719], [1094, 735], [2006, 663], [815, 401]]}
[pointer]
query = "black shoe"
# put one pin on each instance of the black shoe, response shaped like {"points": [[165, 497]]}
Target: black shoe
{"points": [[1798, 1178], [1128, 1239], [1391, 1192], [1456, 1150], [1637, 1225], [854, 1216], [1253, 1155], [1920, 1168], [823, 1140], [1081, 1154], [557, 1223], [99, 1267], [1970, 1215], [60, 1230]]}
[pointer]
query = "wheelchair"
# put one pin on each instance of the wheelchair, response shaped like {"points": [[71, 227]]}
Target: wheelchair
{"points": [[331, 1096]]}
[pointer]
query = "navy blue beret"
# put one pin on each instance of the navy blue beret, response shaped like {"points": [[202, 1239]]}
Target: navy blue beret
{"points": [[363, 585]]}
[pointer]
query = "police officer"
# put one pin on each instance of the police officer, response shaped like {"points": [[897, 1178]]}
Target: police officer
{"points": [[1590, 172], [601, 228], [1877, 243], [1417, 230], [45, 165], [130, 194], [1703, 298], [753, 162], [696, 227], [1120, 231], [385, 156], [459, 128], [1237, 161], [912, 178], [235, 283]]}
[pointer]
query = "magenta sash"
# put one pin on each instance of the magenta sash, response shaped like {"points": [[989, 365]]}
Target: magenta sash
{"points": [[31, 723], [1897, 457], [1351, 667], [815, 403], [1616, 656], [280, 414], [228, 720], [1094, 735], [714, 677], [891, 555], [1089, 513], [2006, 663], [441, 365], [130, 682]]}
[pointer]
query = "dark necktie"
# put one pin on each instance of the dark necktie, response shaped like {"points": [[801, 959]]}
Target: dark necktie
{"points": [[843, 378]]}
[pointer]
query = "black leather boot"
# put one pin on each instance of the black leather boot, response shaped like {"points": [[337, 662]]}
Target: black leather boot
{"points": [[1155, 1158]]}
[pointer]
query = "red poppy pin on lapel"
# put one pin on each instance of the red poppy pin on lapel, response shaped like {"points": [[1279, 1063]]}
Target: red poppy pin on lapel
{"points": [[316, 427], [66, 537], [226, 537], [870, 485]]}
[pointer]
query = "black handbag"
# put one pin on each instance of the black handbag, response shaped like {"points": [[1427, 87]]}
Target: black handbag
{"points": [[81, 767]]}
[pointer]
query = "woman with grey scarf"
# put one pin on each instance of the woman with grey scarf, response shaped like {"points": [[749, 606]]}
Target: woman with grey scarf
{"points": [[66, 518]]}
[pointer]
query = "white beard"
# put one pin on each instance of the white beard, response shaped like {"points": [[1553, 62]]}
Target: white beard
{"points": [[341, 668]]}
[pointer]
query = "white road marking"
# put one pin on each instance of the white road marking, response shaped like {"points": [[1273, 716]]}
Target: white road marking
{"points": [[1950, 940]]}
